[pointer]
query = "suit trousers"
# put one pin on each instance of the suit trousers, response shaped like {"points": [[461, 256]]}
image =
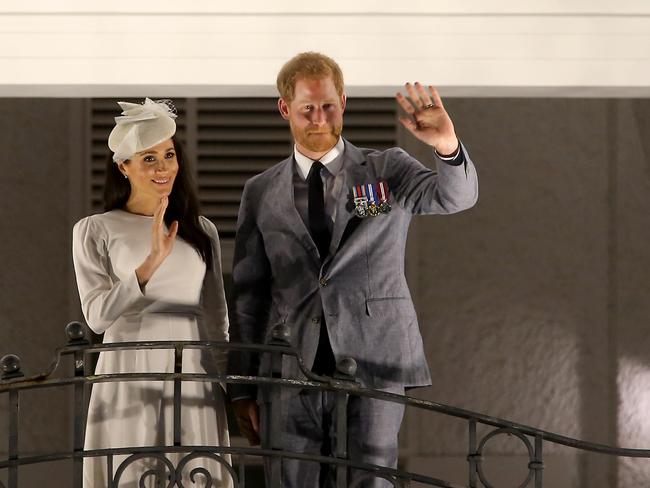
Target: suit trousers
{"points": [[308, 426]]}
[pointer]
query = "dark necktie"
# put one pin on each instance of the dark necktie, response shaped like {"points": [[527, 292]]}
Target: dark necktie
{"points": [[316, 210], [324, 361]]}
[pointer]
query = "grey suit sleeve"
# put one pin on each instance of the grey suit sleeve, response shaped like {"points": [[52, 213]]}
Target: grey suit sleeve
{"points": [[421, 190], [251, 292]]}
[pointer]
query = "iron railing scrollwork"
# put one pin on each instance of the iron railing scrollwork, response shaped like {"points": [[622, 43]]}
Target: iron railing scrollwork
{"points": [[169, 474]]}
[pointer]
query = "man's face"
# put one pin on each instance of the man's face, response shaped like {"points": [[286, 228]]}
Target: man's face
{"points": [[315, 115]]}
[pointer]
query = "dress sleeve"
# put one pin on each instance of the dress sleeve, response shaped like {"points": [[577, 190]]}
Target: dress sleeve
{"points": [[214, 298], [103, 297]]}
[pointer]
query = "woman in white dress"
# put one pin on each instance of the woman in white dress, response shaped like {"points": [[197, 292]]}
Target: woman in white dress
{"points": [[149, 269]]}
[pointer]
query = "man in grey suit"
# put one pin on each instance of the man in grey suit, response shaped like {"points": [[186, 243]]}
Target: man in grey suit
{"points": [[320, 248]]}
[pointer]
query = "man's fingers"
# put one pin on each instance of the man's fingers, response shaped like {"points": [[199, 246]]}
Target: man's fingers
{"points": [[253, 434], [424, 96], [248, 419], [248, 430], [437, 101], [255, 441], [405, 104], [409, 124], [245, 429], [254, 415], [415, 99]]}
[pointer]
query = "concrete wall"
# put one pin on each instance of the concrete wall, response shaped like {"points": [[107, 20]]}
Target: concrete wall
{"points": [[470, 47], [532, 305], [41, 194]]}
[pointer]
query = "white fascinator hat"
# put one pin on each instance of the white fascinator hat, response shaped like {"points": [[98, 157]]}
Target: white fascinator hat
{"points": [[141, 126]]}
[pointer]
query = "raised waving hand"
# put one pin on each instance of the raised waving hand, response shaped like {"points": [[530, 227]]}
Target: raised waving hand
{"points": [[427, 118], [162, 243]]}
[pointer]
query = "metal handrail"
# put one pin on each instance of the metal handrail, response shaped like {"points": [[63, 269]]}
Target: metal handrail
{"points": [[13, 382]]}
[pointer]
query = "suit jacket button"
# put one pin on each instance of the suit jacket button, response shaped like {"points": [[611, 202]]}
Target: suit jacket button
{"points": [[315, 320], [322, 282]]}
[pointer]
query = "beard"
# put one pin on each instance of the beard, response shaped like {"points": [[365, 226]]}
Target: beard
{"points": [[317, 139]]}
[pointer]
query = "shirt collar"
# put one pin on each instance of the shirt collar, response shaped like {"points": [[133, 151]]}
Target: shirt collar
{"points": [[330, 160]]}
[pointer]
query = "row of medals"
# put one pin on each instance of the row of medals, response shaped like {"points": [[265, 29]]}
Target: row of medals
{"points": [[364, 200]]}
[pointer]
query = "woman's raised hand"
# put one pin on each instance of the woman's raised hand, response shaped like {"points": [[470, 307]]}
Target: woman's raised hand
{"points": [[162, 243]]}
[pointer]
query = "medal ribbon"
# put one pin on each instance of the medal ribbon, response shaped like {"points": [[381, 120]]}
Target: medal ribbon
{"points": [[382, 191], [371, 193]]}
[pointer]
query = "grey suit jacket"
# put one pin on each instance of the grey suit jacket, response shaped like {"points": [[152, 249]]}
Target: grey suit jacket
{"points": [[360, 289]]}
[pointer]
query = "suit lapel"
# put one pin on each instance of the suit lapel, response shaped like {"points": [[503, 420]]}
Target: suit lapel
{"points": [[284, 207], [355, 173]]}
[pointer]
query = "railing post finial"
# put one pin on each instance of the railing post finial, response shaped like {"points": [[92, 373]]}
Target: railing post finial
{"points": [[281, 334], [76, 333], [10, 366], [346, 369]]}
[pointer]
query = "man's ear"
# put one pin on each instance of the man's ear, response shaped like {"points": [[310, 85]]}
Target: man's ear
{"points": [[283, 108], [344, 99]]}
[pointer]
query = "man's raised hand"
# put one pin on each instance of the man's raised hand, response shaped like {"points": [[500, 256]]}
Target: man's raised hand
{"points": [[427, 118]]}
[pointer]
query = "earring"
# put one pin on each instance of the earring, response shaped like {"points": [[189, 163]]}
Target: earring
{"points": [[126, 177]]}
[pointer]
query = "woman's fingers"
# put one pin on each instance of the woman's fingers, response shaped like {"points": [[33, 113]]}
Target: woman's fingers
{"points": [[173, 230], [158, 216], [162, 242]]}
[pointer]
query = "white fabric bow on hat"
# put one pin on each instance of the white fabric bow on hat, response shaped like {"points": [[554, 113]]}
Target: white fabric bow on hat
{"points": [[140, 127]]}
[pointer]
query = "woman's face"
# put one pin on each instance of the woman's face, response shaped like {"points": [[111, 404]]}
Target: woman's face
{"points": [[152, 172]]}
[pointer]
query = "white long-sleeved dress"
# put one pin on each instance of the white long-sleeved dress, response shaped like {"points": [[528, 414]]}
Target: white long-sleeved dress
{"points": [[107, 248]]}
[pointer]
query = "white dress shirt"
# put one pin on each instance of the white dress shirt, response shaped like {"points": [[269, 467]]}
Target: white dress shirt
{"points": [[331, 174]]}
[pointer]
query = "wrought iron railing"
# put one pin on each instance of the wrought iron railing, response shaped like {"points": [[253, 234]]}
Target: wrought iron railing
{"points": [[13, 382]]}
